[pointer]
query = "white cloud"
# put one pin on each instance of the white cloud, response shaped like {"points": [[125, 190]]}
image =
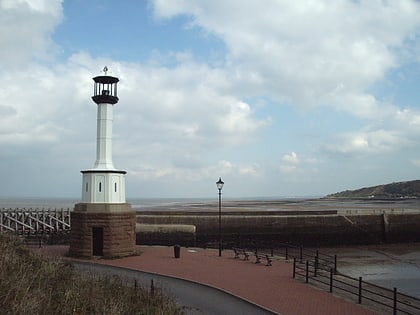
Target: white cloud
{"points": [[253, 170], [367, 142], [416, 163], [301, 51], [291, 158], [182, 105], [290, 163], [26, 29], [288, 168]]}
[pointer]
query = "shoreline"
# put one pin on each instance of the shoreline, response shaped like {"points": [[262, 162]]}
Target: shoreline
{"points": [[211, 204], [387, 265]]}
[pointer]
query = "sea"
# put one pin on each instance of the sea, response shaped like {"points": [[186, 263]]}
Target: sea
{"points": [[402, 272], [136, 203]]}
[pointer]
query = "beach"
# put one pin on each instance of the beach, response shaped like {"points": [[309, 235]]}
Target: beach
{"points": [[228, 204], [386, 265]]}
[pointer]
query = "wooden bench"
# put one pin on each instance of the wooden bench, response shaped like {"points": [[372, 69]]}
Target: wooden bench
{"points": [[240, 251], [259, 256]]}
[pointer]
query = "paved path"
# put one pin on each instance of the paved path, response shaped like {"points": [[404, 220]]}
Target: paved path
{"points": [[193, 297], [272, 287]]}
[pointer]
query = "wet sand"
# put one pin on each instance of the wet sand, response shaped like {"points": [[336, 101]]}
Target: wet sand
{"points": [[290, 204], [387, 265]]}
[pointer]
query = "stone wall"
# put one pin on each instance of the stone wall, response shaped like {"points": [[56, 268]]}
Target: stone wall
{"points": [[117, 224], [402, 227], [313, 230]]}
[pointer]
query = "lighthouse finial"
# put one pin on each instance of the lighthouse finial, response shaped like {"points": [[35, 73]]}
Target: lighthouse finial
{"points": [[105, 70]]}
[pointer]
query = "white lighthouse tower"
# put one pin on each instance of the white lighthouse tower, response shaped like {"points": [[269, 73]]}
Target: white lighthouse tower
{"points": [[103, 224], [103, 183]]}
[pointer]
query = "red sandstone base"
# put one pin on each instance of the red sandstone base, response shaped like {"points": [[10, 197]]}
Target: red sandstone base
{"points": [[107, 230]]}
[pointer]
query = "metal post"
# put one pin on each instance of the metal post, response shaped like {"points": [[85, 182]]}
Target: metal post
{"points": [[152, 288], [301, 254], [287, 251], [294, 267], [395, 302], [360, 290], [220, 222], [307, 271], [331, 279], [316, 266], [335, 264]]}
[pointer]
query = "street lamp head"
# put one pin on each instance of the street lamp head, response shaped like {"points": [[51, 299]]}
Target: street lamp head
{"points": [[220, 184]]}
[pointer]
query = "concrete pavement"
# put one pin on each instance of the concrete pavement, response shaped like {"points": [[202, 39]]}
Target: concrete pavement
{"points": [[271, 287]]}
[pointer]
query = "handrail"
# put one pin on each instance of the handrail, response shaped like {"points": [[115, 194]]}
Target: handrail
{"points": [[312, 265], [363, 290]]}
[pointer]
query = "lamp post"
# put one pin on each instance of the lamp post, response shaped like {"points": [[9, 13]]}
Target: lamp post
{"points": [[219, 185]]}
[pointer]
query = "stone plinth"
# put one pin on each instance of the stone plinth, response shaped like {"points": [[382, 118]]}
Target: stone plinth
{"points": [[106, 230]]}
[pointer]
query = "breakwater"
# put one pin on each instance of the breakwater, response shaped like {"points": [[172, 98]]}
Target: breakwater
{"points": [[309, 228]]}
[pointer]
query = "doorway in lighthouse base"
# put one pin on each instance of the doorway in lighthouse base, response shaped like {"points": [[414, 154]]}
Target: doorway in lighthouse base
{"points": [[98, 241]]}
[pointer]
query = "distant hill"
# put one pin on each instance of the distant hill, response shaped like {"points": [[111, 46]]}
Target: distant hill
{"points": [[409, 189]]}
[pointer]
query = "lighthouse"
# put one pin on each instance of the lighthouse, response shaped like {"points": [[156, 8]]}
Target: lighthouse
{"points": [[104, 183], [103, 223]]}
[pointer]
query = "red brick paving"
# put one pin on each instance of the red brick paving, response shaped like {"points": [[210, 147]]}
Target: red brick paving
{"points": [[272, 287]]}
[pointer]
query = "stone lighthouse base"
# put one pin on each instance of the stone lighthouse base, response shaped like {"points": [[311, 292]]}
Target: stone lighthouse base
{"points": [[99, 229]]}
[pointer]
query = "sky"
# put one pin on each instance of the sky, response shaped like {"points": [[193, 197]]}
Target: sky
{"points": [[278, 98]]}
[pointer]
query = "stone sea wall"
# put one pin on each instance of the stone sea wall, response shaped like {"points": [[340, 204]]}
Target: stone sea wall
{"points": [[269, 228]]}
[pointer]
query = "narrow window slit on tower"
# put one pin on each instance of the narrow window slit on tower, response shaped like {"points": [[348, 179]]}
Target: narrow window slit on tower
{"points": [[100, 187], [115, 187]]}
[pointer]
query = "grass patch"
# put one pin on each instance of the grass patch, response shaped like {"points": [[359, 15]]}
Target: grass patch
{"points": [[33, 284]]}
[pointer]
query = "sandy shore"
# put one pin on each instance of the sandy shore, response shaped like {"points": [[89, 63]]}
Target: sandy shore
{"points": [[387, 265], [284, 205]]}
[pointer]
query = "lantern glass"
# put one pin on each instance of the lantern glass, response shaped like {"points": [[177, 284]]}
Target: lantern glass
{"points": [[220, 184]]}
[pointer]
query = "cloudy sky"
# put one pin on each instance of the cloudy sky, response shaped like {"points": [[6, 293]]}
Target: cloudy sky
{"points": [[279, 98]]}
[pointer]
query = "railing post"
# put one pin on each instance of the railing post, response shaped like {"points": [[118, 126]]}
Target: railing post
{"points": [[152, 288], [331, 279], [395, 302], [360, 290], [316, 265], [294, 267], [335, 264], [307, 271], [301, 254], [287, 251]]}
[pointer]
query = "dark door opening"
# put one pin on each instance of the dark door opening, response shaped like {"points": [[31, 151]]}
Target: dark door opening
{"points": [[98, 241]]}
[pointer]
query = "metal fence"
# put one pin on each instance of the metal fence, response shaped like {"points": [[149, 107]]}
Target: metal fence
{"points": [[362, 291], [321, 269], [324, 261]]}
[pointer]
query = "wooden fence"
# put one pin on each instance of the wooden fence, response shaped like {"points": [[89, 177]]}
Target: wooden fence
{"points": [[34, 221]]}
